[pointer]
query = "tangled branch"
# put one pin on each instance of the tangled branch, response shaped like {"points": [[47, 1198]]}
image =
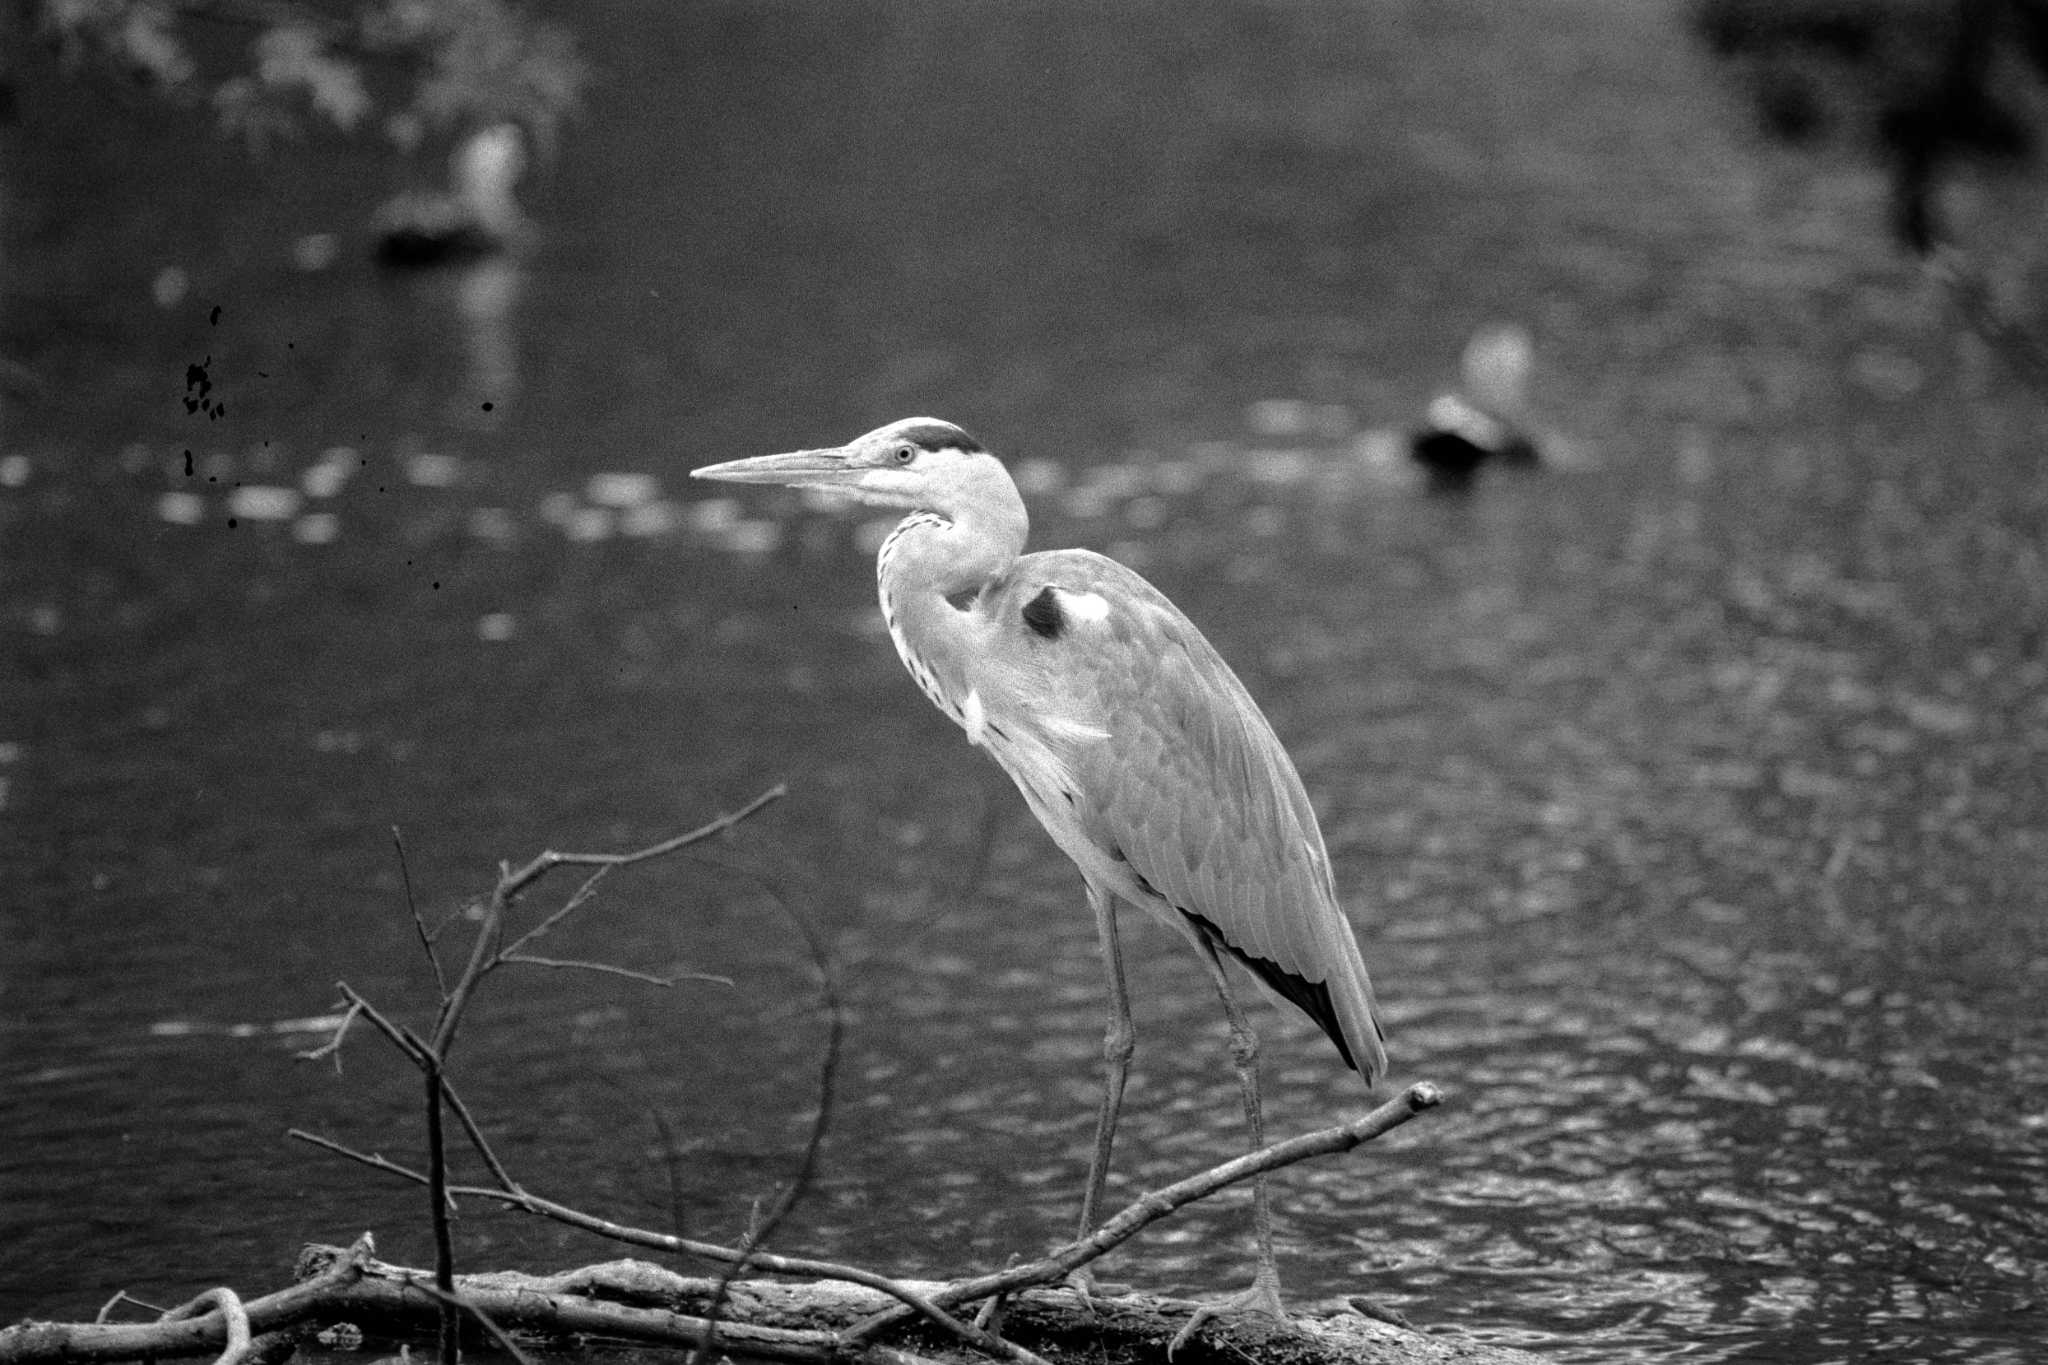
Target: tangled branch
{"points": [[488, 952]]}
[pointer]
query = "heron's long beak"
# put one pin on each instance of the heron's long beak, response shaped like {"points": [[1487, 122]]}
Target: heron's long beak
{"points": [[799, 469]]}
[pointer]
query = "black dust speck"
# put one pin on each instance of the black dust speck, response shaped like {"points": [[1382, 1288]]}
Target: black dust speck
{"points": [[199, 387]]}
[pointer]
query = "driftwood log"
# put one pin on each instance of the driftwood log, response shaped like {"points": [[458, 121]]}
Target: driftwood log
{"points": [[638, 1304]]}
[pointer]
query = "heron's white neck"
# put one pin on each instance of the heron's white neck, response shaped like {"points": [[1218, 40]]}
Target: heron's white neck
{"points": [[927, 563]]}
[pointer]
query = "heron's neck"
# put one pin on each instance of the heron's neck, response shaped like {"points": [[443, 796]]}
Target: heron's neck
{"points": [[927, 564]]}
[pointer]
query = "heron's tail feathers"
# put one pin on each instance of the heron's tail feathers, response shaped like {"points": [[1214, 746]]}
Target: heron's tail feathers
{"points": [[1343, 1007]]}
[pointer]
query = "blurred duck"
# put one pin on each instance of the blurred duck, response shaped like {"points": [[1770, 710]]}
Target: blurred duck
{"points": [[1485, 419], [476, 217]]}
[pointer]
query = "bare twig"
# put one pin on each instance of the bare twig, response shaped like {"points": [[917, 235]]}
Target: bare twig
{"points": [[371, 1159], [332, 1047], [515, 882], [430, 1055], [412, 906], [577, 899], [828, 1069], [527, 1202], [487, 953], [122, 1296], [437, 1201], [511, 882], [404, 1039], [400, 1038], [611, 969], [476, 1135]]}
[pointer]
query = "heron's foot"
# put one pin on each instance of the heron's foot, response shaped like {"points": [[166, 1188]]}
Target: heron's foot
{"points": [[1262, 1297]]}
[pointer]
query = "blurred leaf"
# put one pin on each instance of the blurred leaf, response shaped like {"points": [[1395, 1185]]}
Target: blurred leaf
{"points": [[137, 34], [149, 43], [456, 63], [296, 56], [488, 62]]}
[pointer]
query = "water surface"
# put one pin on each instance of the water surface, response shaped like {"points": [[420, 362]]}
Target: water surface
{"points": [[1689, 802]]}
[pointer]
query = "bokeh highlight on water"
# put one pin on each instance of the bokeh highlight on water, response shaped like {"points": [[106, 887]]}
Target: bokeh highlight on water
{"points": [[1689, 799]]}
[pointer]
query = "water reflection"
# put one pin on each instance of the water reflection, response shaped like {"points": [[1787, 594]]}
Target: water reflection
{"points": [[1689, 805], [485, 296], [1692, 1099]]}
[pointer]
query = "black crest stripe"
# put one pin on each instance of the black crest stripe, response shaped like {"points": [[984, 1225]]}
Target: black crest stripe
{"points": [[938, 436]]}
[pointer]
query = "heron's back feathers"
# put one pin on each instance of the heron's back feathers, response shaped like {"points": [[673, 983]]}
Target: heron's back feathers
{"points": [[1151, 766]]}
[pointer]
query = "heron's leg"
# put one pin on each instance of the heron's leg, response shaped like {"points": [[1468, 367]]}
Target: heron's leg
{"points": [[1264, 1294], [1117, 1043]]}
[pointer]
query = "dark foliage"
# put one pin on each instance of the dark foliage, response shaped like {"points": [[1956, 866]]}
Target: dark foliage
{"points": [[1924, 82]]}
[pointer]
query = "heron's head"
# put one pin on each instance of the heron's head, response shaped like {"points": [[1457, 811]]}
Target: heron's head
{"points": [[918, 464]]}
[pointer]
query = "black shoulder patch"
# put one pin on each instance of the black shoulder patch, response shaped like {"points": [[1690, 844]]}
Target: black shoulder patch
{"points": [[938, 436], [1042, 614]]}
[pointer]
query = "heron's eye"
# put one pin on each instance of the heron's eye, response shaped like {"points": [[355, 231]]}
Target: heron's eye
{"points": [[905, 454]]}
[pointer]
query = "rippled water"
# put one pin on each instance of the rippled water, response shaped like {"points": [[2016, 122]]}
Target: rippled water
{"points": [[1689, 801]]}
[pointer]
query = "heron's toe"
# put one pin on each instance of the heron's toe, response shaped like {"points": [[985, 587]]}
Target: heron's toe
{"points": [[1262, 1297]]}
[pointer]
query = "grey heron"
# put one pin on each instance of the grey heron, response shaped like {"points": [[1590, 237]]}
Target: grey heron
{"points": [[1131, 740]]}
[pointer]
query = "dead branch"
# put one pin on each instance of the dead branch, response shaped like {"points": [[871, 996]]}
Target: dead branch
{"points": [[234, 1316], [413, 908], [515, 1196], [430, 1055], [635, 1301], [628, 1301], [212, 1332], [489, 950], [808, 1323], [935, 1307]]}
